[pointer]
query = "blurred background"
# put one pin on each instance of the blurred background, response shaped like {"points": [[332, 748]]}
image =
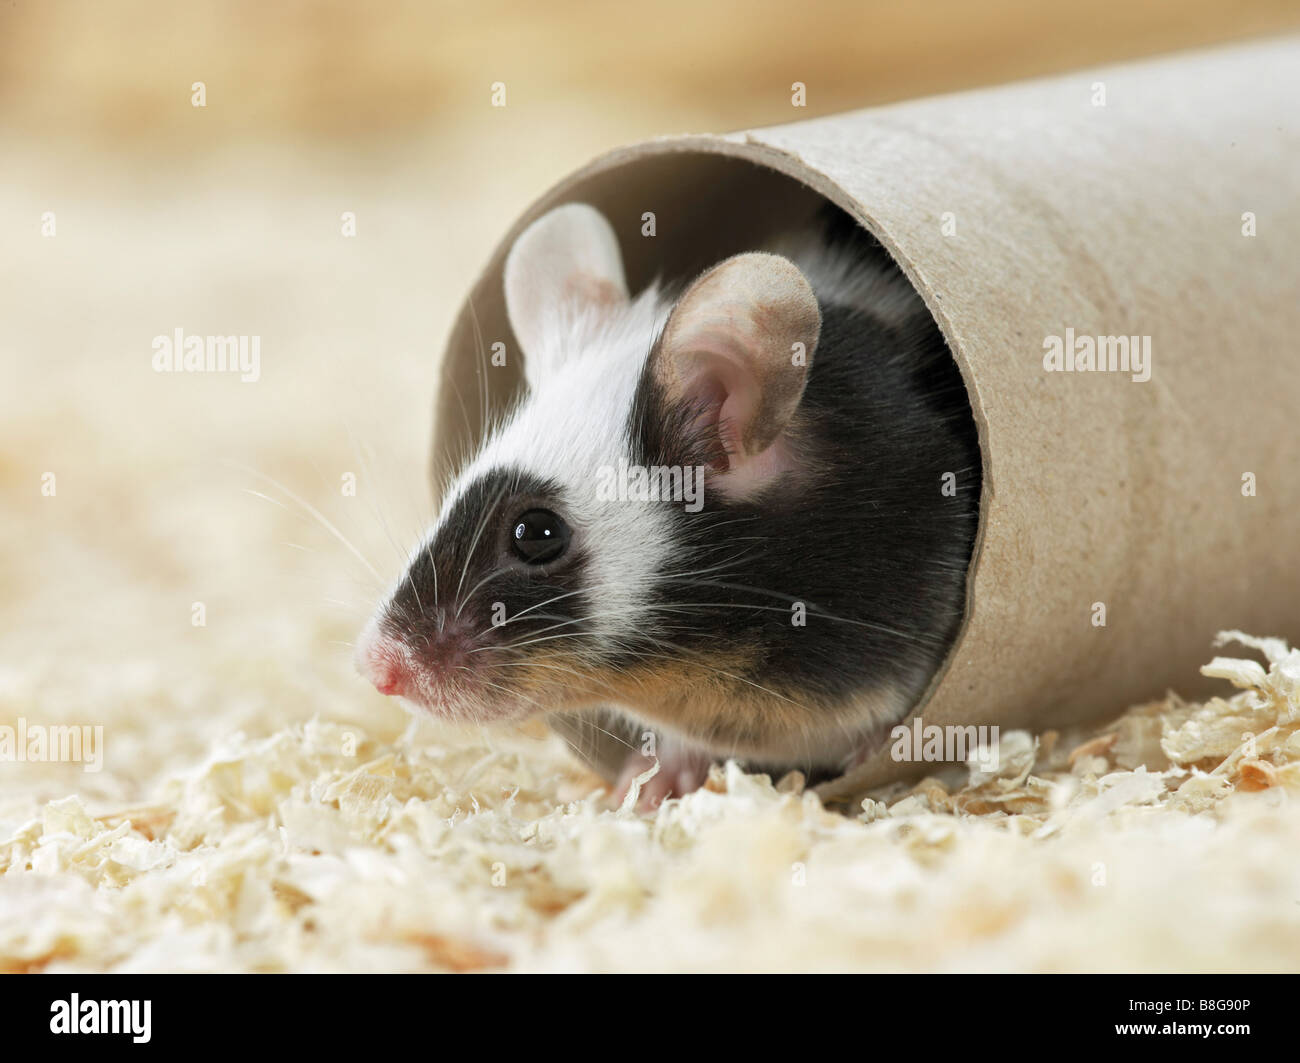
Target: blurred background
{"points": [[127, 212], [338, 72]]}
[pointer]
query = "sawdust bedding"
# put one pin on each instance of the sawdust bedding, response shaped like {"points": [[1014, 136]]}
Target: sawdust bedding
{"points": [[1163, 840]]}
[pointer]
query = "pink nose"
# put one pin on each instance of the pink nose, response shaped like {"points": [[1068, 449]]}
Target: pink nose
{"points": [[383, 662], [388, 678]]}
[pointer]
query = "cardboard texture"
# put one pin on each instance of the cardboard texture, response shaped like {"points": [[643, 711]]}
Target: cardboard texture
{"points": [[1115, 202]]}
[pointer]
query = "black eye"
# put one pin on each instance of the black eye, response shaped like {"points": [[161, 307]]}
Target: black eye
{"points": [[539, 536]]}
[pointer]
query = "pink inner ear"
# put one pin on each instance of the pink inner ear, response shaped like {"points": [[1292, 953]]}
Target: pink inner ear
{"points": [[741, 474], [725, 351], [724, 383], [727, 395], [737, 410]]}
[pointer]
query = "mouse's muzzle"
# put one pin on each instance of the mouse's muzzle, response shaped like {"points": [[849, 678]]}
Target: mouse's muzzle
{"points": [[441, 674]]}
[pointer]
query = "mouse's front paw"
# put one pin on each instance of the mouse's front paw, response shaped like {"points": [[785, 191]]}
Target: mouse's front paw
{"points": [[680, 772]]}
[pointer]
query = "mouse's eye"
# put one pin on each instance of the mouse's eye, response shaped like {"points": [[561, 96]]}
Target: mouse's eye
{"points": [[539, 536]]}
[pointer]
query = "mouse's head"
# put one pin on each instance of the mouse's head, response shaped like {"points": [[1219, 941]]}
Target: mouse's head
{"points": [[566, 566]]}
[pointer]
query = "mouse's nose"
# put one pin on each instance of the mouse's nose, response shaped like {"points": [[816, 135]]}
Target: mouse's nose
{"points": [[388, 677], [383, 661]]}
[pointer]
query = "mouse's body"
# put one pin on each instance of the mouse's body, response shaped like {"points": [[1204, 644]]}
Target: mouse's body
{"points": [[740, 511]]}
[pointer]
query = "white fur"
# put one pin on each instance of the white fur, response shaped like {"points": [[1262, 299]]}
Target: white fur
{"points": [[573, 422]]}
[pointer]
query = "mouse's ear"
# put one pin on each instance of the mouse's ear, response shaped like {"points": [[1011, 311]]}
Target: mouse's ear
{"points": [[737, 347], [564, 272]]}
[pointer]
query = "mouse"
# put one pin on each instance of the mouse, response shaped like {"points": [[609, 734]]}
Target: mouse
{"points": [[736, 510]]}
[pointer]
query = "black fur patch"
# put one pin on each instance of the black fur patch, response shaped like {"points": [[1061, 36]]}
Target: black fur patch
{"points": [[866, 542], [469, 568]]}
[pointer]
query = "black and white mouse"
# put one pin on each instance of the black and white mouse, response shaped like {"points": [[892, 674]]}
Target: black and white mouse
{"points": [[737, 508]]}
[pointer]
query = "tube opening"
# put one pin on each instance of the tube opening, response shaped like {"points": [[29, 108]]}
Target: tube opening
{"points": [[677, 209]]}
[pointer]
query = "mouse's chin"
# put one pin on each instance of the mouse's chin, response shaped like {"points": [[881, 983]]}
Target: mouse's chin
{"points": [[465, 706]]}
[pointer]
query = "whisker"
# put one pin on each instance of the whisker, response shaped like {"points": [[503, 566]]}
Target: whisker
{"points": [[325, 523]]}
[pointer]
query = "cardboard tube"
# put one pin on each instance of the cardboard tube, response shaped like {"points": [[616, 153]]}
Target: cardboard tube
{"points": [[1124, 522]]}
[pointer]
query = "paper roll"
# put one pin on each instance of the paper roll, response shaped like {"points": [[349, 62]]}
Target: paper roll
{"points": [[1124, 521]]}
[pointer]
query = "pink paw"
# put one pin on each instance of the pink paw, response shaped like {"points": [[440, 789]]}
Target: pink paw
{"points": [[680, 772]]}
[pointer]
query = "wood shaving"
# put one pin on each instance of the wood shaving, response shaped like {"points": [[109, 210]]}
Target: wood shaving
{"points": [[318, 847]]}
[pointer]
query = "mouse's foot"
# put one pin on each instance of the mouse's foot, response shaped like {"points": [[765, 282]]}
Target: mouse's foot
{"points": [[681, 771]]}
